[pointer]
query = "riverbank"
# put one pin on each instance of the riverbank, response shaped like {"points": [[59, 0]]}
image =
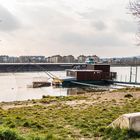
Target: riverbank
{"points": [[70, 118]]}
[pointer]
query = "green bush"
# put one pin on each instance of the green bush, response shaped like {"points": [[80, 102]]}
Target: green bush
{"points": [[9, 134], [128, 96], [47, 137], [26, 124], [50, 137], [120, 134]]}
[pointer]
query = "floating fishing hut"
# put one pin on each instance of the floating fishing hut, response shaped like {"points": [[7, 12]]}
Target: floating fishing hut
{"points": [[93, 73]]}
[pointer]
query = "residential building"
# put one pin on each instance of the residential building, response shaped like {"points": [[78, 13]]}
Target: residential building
{"points": [[32, 59], [13, 59], [68, 59], [4, 59], [81, 59], [54, 59]]}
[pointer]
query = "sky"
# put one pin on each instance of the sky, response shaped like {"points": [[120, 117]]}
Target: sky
{"points": [[77, 27]]}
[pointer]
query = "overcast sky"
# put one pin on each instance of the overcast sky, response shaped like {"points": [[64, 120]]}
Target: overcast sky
{"points": [[49, 27]]}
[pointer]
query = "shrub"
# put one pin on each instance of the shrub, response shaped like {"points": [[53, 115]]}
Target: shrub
{"points": [[9, 134], [26, 124], [121, 134], [50, 137], [44, 96], [128, 96]]}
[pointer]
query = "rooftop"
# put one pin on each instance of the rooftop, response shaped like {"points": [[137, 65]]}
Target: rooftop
{"points": [[84, 70]]}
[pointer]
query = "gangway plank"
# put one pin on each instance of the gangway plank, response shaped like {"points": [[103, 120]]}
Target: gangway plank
{"points": [[121, 82], [89, 85]]}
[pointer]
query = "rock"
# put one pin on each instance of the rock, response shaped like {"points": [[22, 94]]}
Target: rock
{"points": [[128, 121]]}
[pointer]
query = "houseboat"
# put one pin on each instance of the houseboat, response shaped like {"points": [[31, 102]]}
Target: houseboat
{"points": [[93, 73]]}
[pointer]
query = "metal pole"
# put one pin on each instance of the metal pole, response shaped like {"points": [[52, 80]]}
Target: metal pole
{"points": [[136, 74], [130, 74]]}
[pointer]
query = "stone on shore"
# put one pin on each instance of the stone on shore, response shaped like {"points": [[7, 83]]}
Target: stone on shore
{"points": [[128, 121]]}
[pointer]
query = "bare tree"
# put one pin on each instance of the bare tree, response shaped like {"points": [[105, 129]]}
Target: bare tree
{"points": [[135, 8]]}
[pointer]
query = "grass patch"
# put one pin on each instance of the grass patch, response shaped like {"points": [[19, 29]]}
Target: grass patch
{"points": [[67, 122], [120, 134], [50, 99]]}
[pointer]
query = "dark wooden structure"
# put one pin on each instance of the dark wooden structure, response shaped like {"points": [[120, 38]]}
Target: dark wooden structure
{"points": [[102, 67], [92, 73]]}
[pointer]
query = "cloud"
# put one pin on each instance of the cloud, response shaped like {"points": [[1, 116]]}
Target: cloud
{"points": [[126, 26], [99, 25], [65, 27], [94, 14], [8, 21], [43, 16], [30, 1], [95, 40]]}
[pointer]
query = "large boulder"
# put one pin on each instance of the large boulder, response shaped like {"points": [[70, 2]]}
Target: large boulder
{"points": [[128, 121]]}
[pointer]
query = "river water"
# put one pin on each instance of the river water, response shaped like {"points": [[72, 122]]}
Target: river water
{"points": [[14, 86], [123, 74]]}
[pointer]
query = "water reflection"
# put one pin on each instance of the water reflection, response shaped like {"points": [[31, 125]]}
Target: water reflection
{"points": [[75, 91], [15, 87]]}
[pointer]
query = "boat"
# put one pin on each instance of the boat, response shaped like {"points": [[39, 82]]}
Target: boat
{"points": [[41, 84]]}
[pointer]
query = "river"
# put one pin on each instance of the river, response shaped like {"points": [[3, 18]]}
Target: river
{"points": [[13, 86]]}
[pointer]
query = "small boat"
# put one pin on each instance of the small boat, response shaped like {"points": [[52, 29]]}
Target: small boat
{"points": [[41, 84]]}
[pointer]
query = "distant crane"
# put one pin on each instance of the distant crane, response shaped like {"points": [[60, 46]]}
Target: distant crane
{"points": [[56, 81]]}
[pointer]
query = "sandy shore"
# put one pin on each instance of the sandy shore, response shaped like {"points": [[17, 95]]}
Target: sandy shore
{"points": [[90, 98]]}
